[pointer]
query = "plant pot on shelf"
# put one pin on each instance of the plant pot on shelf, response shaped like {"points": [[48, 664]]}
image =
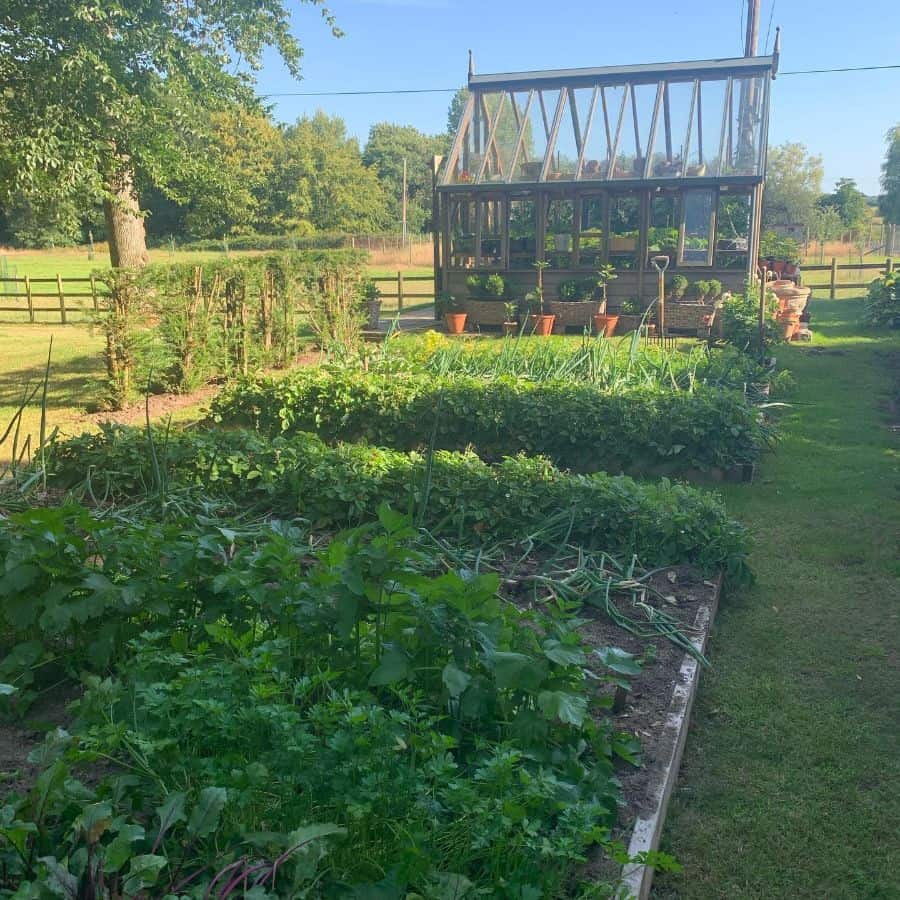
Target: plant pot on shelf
{"points": [[455, 323], [605, 324], [542, 324]]}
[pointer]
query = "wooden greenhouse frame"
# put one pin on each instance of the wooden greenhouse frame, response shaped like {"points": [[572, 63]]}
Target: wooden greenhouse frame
{"points": [[583, 167]]}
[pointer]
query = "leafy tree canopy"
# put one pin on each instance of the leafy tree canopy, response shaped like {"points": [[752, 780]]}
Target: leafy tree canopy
{"points": [[849, 202], [889, 202], [793, 185]]}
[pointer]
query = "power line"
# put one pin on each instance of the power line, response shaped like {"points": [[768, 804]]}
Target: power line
{"points": [[453, 90], [769, 29], [847, 69]]}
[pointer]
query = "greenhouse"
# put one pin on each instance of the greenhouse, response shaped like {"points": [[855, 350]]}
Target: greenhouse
{"points": [[582, 168]]}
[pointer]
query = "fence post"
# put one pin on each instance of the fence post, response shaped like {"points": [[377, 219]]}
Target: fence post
{"points": [[889, 265], [832, 294], [62, 299], [399, 292], [29, 299], [94, 294]]}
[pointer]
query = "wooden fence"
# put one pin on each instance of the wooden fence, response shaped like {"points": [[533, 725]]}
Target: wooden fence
{"points": [[72, 295], [75, 296], [834, 268], [401, 292]]}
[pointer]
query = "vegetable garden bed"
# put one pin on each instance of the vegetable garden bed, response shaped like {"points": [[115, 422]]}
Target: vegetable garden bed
{"points": [[577, 426]]}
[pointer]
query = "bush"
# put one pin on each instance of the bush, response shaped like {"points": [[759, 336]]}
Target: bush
{"points": [[454, 494], [883, 301], [486, 287], [740, 320], [575, 425]]}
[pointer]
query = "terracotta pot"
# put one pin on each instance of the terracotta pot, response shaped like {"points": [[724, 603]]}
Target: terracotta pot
{"points": [[605, 324], [455, 322], [543, 324], [789, 323], [510, 328]]}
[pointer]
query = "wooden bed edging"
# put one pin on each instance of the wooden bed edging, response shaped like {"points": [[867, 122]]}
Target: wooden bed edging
{"points": [[637, 879]]}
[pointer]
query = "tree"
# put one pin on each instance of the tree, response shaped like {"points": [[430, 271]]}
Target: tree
{"points": [[889, 201], [388, 146], [849, 202], [105, 96], [793, 186], [323, 179], [455, 111]]}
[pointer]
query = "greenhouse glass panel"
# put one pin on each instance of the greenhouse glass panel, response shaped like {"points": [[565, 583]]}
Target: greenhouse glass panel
{"points": [[634, 131], [600, 138], [745, 127], [462, 233], [699, 207], [567, 146], [489, 233], [733, 229], [672, 130], [665, 220], [706, 129], [592, 236], [522, 233], [624, 229], [559, 233]]}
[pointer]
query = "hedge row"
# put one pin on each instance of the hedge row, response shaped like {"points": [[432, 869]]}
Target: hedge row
{"points": [[453, 494], [577, 426]]}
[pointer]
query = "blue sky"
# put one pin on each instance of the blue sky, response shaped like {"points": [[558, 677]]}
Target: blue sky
{"points": [[423, 44]]}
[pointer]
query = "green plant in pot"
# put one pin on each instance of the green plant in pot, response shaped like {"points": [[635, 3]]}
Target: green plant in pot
{"points": [[543, 323], [715, 289], [454, 314], [701, 289], [678, 286], [604, 323]]}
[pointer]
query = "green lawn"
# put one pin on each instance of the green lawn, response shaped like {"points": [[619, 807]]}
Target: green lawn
{"points": [[791, 778], [75, 371]]}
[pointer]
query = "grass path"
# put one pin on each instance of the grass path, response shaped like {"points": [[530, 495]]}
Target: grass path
{"points": [[791, 777]]}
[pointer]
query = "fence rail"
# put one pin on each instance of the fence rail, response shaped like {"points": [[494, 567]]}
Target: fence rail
{"points": [[63, 295], [834, 267], [401, 295], [76, 295]]}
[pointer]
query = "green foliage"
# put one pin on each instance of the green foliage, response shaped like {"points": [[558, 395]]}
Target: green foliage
{"points": [[452, 494], [610, 365], [486, 287], [296, 241], [774, 246], [883, 301], [191, 324], [793, 185], [849, 202], [299, 717], [740, 320], [578, 289], [701, 288], [678, 285], [714, 289], [386, 150], [575, 425], [889, 201]]}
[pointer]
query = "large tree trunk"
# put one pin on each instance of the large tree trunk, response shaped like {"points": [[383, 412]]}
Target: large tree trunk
{"points": [[125, 225]]}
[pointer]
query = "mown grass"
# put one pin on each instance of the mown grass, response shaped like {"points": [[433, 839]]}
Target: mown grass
{"points": [[76, 367], [792, 771]]}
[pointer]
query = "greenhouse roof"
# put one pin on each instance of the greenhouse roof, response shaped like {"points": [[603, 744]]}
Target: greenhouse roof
{"points": [[659, 123]]}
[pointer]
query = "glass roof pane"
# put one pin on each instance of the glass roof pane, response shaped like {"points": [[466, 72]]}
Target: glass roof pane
{"points": [[502, 142], [745, 127], [602, 134], [564, 159], [635, 131], [671, 130], [703, 151], [538, 123]]}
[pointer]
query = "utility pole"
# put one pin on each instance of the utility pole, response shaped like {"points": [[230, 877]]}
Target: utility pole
{"points": [[403, 225], [751, 41]]}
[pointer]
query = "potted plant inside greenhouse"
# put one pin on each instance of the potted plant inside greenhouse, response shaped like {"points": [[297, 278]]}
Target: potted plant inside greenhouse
{"points": [[577, 303], [605, 323], [454, 314]]}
